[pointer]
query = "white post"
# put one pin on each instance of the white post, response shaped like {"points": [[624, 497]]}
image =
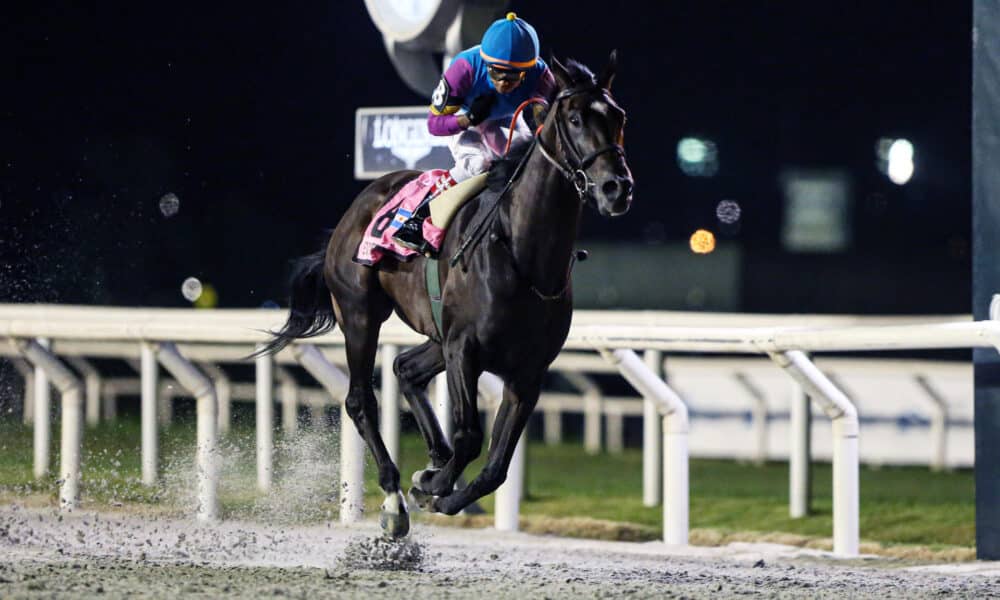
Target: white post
{"points": [[352, 446], [676, 488], [553, 426], [265, 421], [389, 422], [652, 438], [799, 452], [223, 394], [149, 374], [71, 432], [844, 416], [442, 406], [759, 414], [200, 386], [939, 425], [92, 383], [507, 501], [616, 429], [289, 400], [28, 398], [165, 394], [41, 413], [593, 409]]}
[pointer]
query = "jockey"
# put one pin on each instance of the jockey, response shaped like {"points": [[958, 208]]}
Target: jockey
{"points": [[473, 104]]}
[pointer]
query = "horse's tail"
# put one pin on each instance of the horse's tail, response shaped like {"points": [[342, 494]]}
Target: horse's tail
{"points": [[310, 308]]}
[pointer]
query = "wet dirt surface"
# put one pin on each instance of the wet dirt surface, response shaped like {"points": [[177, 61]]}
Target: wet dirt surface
{"points": [[47, 554]]}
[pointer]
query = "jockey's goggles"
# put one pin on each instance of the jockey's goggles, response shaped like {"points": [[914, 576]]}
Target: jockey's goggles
{"points": [[498, 74]]}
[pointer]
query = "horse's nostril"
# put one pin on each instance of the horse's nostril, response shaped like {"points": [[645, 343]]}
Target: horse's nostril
{"points": [[610, 187]]}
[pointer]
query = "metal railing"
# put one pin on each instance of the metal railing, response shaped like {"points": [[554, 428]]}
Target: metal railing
{"points": [[614, 336]]}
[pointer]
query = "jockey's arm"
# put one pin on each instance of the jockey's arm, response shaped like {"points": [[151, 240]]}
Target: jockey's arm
{"points": [[448, 98]]}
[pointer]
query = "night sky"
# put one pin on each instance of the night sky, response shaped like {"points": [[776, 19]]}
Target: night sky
{"points": [[246, 112]]}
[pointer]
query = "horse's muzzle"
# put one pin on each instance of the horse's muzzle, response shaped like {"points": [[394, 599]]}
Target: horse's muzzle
{"points": [[616, 195]]}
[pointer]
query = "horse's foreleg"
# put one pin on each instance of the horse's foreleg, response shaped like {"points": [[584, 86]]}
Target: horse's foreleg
{"points": [[415, 368], [518, 403], [467, 440]]}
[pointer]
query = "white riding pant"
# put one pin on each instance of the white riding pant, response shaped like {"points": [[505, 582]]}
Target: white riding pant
{"points": [[476, 148]]}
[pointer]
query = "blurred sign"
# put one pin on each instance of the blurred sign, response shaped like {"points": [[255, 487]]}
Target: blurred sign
{"points": [[395, 138], [817, 211]]}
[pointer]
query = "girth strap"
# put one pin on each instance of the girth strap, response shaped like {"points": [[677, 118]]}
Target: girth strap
{"points": [[434, 291]]}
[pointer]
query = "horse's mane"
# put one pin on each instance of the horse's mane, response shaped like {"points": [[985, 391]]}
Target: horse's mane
{"points": [[579, 74], [502, 168]]}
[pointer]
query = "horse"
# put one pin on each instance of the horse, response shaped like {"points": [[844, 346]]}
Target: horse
{"points": [[506, 305]]}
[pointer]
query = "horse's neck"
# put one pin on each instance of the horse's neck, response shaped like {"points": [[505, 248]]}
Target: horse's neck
{"points": [[544, 219]]}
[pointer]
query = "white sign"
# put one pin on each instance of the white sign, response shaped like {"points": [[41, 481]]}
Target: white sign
{"points": [[396, 138]]}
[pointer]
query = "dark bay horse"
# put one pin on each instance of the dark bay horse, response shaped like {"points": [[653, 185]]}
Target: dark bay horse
{"points": [[507, 305]]}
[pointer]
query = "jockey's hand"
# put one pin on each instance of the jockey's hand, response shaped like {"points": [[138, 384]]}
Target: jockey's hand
{"points": [[481, 108], [535, 116]]}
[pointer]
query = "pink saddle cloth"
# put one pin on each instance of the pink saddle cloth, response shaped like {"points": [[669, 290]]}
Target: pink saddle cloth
{"points": [[377, 241]]}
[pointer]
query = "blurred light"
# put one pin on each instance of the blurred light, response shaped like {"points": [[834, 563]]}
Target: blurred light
{"points": [[697, 157], [702, 241], [191, 289], [900, 161], [895, 159], [728, 212], [170, 204], [208, 299]]}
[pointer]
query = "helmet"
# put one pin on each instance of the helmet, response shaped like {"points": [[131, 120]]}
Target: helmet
{"points": [[510, 43]]}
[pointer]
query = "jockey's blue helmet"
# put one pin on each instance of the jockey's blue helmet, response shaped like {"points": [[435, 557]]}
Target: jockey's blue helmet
{"points": [[510, 43]]}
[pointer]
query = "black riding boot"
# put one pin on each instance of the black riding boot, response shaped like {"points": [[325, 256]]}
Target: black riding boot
{"points": [[411, 233]]}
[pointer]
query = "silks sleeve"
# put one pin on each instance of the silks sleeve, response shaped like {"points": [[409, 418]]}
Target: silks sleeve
{"points": [[448, 98]]}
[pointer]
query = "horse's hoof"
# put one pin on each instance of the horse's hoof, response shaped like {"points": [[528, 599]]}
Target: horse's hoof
{"points": [[424, 500], [394, 518], [422, 479]]}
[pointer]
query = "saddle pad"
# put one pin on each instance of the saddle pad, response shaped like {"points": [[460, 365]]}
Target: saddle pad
{"points": [[377, 240]]}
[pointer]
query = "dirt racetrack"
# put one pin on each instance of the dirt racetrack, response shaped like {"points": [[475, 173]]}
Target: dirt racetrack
{"points": [[47, 554]]}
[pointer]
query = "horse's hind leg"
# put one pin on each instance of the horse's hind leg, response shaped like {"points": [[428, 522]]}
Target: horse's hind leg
{"points": [[360, 328], [415, 368]]}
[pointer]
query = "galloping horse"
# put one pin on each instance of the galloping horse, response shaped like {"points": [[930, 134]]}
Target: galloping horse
{"points": [[506, 308]]}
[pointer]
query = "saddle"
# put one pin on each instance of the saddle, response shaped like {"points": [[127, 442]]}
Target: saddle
{"points": [[377, 240]]}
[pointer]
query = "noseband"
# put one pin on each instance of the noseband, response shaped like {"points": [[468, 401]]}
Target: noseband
{"points": [[575, 169]]}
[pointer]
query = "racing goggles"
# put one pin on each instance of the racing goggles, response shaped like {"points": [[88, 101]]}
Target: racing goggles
{"points": [[499, 74]]}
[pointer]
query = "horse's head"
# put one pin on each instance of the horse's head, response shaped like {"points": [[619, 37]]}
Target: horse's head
{"points": [[587, 136]]}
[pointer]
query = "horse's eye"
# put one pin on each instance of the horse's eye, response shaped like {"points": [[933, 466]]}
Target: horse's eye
{"points": [[574, 120]]}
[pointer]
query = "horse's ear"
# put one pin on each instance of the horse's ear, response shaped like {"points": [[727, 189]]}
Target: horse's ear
{"points": [[560, 73], [608, 74]]}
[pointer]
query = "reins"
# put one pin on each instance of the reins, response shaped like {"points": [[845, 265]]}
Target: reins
{"points": [[576, 173]]}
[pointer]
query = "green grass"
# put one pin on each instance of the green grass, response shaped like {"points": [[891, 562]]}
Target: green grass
{"points": [[898, 505]]}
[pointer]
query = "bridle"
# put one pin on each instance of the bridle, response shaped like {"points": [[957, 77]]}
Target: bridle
{"points": [[574, 170], [575, 167]]}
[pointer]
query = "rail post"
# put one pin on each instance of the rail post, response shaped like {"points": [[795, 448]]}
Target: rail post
{"points": [[42, 417], [799, 452], [352, 447], [149, 377], [390, 402], [92, 384], [652, 438], [507, 498], [264, 420], [676, 489], [200, 386], [844, 419], [71, 431]]}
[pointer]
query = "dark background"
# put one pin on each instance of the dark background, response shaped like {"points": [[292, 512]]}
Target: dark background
{"points": [[246, 113]]}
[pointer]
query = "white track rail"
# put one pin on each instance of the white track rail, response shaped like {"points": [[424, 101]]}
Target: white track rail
{"points": [[785, 338]]}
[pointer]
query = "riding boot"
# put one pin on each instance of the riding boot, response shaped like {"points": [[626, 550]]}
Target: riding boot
{"points": [[411, 233], [418, 233]]}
